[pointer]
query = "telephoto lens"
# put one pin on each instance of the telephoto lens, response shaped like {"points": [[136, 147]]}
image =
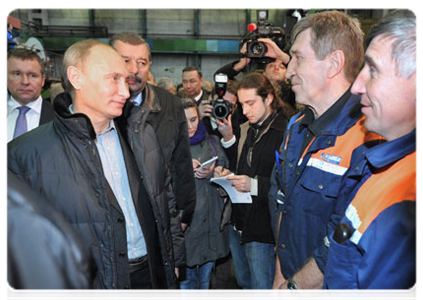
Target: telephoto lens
{"points": [[256, 49]]}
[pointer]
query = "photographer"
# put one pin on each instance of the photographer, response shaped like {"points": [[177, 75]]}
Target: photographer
{"points": [[261, 50], [227, 125], [273, 50]]}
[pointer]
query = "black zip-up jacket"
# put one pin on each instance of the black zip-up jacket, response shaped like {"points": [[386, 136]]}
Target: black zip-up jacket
{"points": [[254, 219], [60, 160]]}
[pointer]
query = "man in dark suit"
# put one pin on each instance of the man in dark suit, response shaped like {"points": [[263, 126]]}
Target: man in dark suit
{"points": [[192, 80], [26, 109]]}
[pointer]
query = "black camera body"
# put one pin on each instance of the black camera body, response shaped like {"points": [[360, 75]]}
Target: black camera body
{"points": [[263, 29], [221, 108]]}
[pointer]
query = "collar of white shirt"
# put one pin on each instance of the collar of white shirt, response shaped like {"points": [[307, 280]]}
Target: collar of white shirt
{"points": [[199, 96], [137, 100], [34, 105]]}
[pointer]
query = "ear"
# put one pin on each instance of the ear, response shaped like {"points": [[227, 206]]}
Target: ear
{"points": [[269, 99], [44, 80], [414, 83], [336, 61], [74, 77]]}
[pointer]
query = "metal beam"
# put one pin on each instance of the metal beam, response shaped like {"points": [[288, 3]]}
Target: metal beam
{"points": [[144, 22], [91, 15], [247, 16], [196, 35], [196, 23]]}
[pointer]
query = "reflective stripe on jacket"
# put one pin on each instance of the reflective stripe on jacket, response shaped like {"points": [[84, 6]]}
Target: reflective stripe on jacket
{"points": [[381, 252]]}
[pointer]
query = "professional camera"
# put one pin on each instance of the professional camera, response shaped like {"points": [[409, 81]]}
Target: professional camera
{"points": [[262, 29], [221, 108]]}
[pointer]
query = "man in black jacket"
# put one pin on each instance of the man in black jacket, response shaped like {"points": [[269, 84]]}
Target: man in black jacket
{"points": [[83, 167], [167, 116]]}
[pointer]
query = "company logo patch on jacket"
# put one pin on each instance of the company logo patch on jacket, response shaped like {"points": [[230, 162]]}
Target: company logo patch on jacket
{"points": [[326, 166], [336, 159], [331, 158]]}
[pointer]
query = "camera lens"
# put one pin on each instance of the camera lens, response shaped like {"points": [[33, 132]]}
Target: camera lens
{"points": [[220, 111], [258, 49]]}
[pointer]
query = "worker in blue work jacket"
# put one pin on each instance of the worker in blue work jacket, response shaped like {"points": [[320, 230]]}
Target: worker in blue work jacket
{"points": [[373, 246], [326, 56]]}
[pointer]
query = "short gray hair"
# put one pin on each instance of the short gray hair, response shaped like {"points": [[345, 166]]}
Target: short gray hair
{"points": [[131, 38], [166, 83], [400, 26]]}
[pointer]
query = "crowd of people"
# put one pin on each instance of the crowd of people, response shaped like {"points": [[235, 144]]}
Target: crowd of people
{"points": [[108, 186]]}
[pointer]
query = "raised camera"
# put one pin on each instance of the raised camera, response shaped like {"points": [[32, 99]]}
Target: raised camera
{"points": [[221, 108], [262, 29], [256, 49]]}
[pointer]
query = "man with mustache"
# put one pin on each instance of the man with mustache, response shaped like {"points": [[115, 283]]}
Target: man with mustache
{"points": [[26, 109], [165, 113]]}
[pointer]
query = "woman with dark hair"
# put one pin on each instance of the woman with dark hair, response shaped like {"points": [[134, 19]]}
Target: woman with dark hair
{"points": [[204, 242], [250, 237]]}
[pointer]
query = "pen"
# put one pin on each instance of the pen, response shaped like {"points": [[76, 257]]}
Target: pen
{"points": [[277, 156]]}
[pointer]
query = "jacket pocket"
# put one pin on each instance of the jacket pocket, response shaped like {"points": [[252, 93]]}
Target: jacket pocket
{"points": [[341, 267], [320, 190]]}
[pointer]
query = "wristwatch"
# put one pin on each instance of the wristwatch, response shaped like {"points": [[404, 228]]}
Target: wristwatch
{"points": [[293, 289]]}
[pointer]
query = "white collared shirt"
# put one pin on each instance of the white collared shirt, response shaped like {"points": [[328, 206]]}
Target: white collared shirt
{"points": [[137, 100], [32, 116], [199, 96], [114, 168]]}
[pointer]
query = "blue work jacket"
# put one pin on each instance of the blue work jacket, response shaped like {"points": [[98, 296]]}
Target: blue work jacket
{"points": [[305, 185], [380, 215]]}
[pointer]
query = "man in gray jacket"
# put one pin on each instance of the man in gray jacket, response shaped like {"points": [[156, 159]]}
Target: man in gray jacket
{"points": [[166, 116]]}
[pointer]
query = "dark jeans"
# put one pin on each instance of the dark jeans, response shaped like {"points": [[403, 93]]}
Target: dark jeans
{"points": [[140, 275], [254, 262], [198, 277], [221, 273]]}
